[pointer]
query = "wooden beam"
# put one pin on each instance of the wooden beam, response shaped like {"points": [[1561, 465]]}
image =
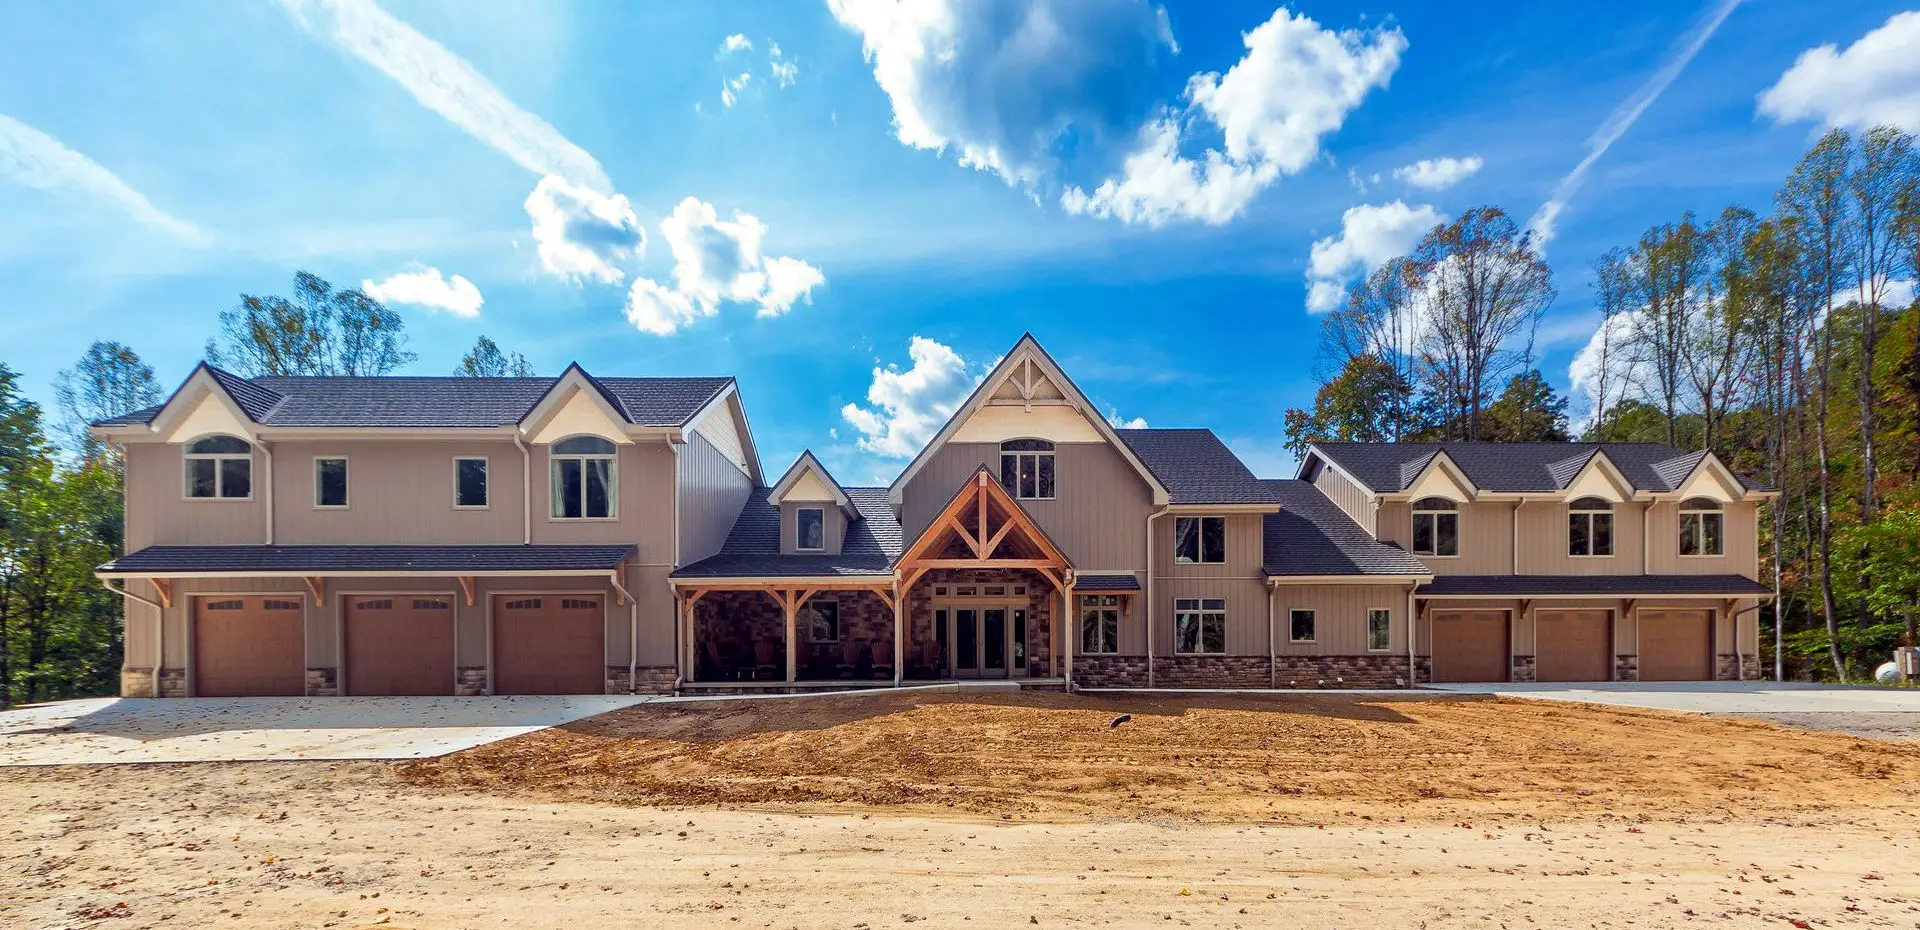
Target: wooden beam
{"points": [[1526, 608], [466, 588], [894, 603], [164, 586], [792, 610], [982, 495], [319, 588], [966, 537], [988, 563], [1000, 534]]}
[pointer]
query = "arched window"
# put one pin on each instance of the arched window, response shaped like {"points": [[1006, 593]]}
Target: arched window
{"points": [[219, 467], [1436, 527], [583, 483], [1702, 527], [1026, 468], [1589, 527]]}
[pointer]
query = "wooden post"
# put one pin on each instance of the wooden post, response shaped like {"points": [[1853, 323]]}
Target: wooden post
{"points": [[899, 636], [1066, 631], [791, 604]]}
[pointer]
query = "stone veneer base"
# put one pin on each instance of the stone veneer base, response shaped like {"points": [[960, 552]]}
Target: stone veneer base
{"points": [[323, 682], [1363, 671]]}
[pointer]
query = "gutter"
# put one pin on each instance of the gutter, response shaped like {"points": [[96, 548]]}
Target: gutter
{"points": [[159, 628], [1413, 676], [633, 627]]}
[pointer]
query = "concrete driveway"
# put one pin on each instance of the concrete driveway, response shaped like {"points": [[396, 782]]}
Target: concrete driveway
{"points": [[1881, 713], [99, 731]]}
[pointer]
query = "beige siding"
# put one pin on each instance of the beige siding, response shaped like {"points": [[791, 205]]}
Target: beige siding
{"points": [[1346, 495], [1742, 542], [397, 493], [1098, 518], [1486, 537], [1543, 542], [1340, 618], [712, 490], [160, 513]]}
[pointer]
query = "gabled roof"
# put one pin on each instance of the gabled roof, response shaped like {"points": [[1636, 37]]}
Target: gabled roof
{"points": [[752, 549], [1593, 585], [1195, 466], [1511, 467], [801, 466], [1311, 536]]}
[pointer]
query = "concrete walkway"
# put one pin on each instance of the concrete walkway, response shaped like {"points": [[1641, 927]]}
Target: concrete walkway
{"points": [[100, 731], [1880, 713]]}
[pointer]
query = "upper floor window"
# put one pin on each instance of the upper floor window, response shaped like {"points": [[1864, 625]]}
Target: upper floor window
{"points": [[330, 481], [219, 467], [1702, 527], [1199, 539], [1099, 623], [470, 482], [1589, 527], [810, 529], [583, 482], [1026, 468], [1436, 527]]}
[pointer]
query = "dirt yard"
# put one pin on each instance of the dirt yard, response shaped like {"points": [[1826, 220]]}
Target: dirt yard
{"points": [[898, 810]]}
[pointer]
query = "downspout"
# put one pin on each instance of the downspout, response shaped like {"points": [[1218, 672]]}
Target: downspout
{"points": [[159, 629], [1413, 676], [1148, 619], [1273, 670], [633, 627], [1646, 542], [526, 498], [1739, 665], [267, 451], [1516, 534]]}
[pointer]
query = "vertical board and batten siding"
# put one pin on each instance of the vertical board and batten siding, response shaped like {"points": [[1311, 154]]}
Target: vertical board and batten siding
{"points": [[1486, 537], [398, 493], [1346, 495], [1238, 579], [834, 526], [160, 513], [644, 516], [1340, 618], [1098, 517], [1544, 538], [1741, 545], [712, 490]]}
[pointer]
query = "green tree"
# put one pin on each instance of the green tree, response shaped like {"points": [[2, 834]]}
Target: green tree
{"points": [[1362, 404], [1529, 410], [109, 380], [319, 331], [485, 360]]}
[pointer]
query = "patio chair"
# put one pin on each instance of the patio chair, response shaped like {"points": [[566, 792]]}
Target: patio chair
{"points": [[849, 659], [763, 661], [882, 654]]}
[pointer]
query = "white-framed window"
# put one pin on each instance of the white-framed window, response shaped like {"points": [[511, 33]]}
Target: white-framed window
{"points": [[470, 483], [330, 482], [1589, 527], [1436, 527], [810, 529], [1199, 540], [1099, 623], [820, 621], [584, 484], [219, 468], [1026, 468], [1200, 626], [1703, 527], [1302, 625], [1379, 630]]}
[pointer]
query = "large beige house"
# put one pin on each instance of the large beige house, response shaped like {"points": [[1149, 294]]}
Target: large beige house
{"points": [[442, 536]]}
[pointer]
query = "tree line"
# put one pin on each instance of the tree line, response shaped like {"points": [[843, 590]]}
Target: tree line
{"points": [[1787, 342], [61, 512]]}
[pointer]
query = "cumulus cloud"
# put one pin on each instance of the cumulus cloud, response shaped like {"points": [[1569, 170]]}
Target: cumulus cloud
{"points": [[1295, 85], [427, 288], [734, 43], [1370, 236], [1875, 80], [1115, 420], [716, 262], [907, 407], [38, 160], [582, 234], [1438, 174], [785, 70], [1608, 349]]}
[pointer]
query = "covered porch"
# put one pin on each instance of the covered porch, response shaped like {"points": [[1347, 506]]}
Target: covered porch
{"points": [[786, 632]]}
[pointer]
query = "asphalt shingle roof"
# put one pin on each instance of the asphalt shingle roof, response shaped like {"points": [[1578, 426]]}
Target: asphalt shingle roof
{"points": [[1195, 466], [1089, 583], [1598, 585], [1312, 536], [752, 548], [322, 559], [1513, 466]]}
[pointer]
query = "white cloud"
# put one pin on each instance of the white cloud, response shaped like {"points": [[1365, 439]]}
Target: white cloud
{"points": [[1115, 420], [1295, 85], [427, 288], [730, 89], [1875, 80], [38, 160], [1612, 340], [785, 70], [1544, 221], [717, 261], [1370, 236], [908, 407], [734, 43], [1438, 174], [446, 84], [583, 234]]}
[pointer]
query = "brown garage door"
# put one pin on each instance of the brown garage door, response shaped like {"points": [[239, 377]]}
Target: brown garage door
{"points": [[1470, 645], [1676, 645], [549, 644], [1572, 645], [249, 646], [399, 644]]}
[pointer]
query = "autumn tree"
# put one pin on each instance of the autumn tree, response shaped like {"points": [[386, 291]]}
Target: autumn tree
{"points": [[108, 381], [1529, 410], [318, 331], [1364, 403], [485, 360]]}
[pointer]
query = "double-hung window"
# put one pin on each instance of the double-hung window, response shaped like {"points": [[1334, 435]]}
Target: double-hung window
{"points": [[1436, 527], [330, 482], [810, 529], [584, 482], [1379, 630], [1702, 527], [1200, 626], [470, 482], [1099, 623], [1026, 468], [219, 467], [1589, 527], [1199, 540]]}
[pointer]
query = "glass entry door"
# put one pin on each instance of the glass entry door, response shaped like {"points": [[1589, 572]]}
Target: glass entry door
{"points": [[983, 642]]}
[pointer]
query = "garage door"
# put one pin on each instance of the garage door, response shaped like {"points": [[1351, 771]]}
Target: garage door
{"points": [[249, 646], [399, 644], [1572, 645], [1470, 645], [1676, 645], [549, 644]]}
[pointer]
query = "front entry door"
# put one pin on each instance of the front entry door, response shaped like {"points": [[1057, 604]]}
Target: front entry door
{"points": [[983, 642]]}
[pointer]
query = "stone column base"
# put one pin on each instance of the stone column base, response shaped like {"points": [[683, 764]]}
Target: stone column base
{"points": [[655, 679], [136, 682], [323, 682], [1750, 668], [1626, 668], [471, 681], [1523, 668]]}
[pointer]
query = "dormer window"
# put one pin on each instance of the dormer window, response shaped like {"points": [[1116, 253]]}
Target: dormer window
{"points": [[1026, 468], [1436, 527], [583, 483], [219, 467], [810, 529], [1702, 527], [1589, 527]]}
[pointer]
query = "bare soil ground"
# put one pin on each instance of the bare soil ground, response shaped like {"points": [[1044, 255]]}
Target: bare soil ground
{"points": [[898, 810]]}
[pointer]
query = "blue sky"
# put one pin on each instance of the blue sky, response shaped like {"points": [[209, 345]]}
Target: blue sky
{"points": [[602, 180]]}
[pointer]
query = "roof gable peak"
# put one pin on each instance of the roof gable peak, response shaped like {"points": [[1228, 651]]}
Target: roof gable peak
{"points": [[796, 486]]}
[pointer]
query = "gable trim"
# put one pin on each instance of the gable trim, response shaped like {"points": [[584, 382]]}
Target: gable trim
{"points": [[1315, 452], [178, 406], [575, 382], [801, 466]]}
